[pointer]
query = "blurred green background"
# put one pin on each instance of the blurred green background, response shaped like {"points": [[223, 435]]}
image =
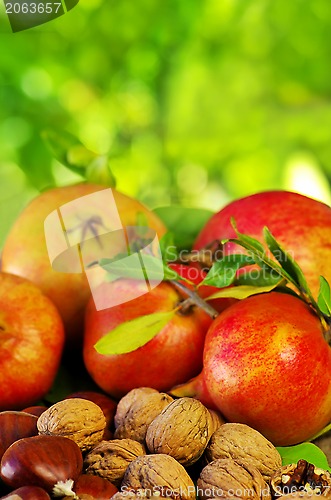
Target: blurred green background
{"points": [[197, 102]]}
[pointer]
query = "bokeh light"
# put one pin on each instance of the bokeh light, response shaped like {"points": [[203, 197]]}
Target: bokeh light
{"points": [[196, 103]]}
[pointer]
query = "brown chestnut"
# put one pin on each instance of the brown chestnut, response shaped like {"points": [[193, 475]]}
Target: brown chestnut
{"points": [[15, 425], [35, 410], [51, 462], [27, 493], [89, 487]]}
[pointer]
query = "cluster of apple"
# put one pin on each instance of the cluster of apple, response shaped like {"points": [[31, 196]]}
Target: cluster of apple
{"points": [[264, 361]]}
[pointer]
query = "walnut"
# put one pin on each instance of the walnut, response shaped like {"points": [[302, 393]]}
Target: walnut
{"points": [[140, 414], [131, 495], [158, 475], [77, 419], [229, 479], [300, 479], [182, 430], [128, 400], [124, 495], [109, 459], [241, 442]]}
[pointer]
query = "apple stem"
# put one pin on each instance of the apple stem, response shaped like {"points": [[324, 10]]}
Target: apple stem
{"points": [[206, 256], [193, 300]]}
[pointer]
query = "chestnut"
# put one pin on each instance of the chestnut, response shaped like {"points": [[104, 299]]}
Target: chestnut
{"points": [[89, 487], [51, 462], [35, 410], [27, 493], [15, 425]]}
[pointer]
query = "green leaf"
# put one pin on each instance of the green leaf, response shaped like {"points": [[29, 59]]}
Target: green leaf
{"points": [[133, 334], [72, 153], [133, 268], [286, 261], [185, 223], [241, 291], [257, 250], [247, 241], [68, 150], [324, 297], [168, 248], [223, 272], [304, 451], [152, 268], [258, 277]]}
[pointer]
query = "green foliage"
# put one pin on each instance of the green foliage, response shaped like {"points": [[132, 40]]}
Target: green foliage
{"points": [[185, 223], [304, 451], [195, 102], [133, 334]]}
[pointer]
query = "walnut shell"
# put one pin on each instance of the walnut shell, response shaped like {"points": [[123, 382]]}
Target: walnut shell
{"points": [[110, 459], [128, 400], [282, 483], [158, 475], [78, 419], [182, 430], [227, 478], [140, 414], [124, 495], [241, 442], [131, 495]]}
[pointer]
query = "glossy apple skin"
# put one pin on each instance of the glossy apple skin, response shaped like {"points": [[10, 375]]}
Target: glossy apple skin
{"points": [[31, 342], [302, 225], [267, 364], [25, 252], [172, 357]]}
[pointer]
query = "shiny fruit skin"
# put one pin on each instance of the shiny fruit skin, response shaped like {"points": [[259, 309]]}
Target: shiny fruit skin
{"points": [[41, 461], [302, 225], [35, 410], [15, 425], [31, 342], [27, 493], [171, 357], [94, 488], [25, 252], [267, 364]]}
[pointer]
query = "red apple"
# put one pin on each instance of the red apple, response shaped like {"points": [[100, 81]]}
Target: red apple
{"points": [[171, 357], [31, 342], [267, 364], [25, 252], [302, 225]]}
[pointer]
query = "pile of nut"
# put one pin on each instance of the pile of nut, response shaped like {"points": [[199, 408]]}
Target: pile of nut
{"points": [[161, 447]]}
